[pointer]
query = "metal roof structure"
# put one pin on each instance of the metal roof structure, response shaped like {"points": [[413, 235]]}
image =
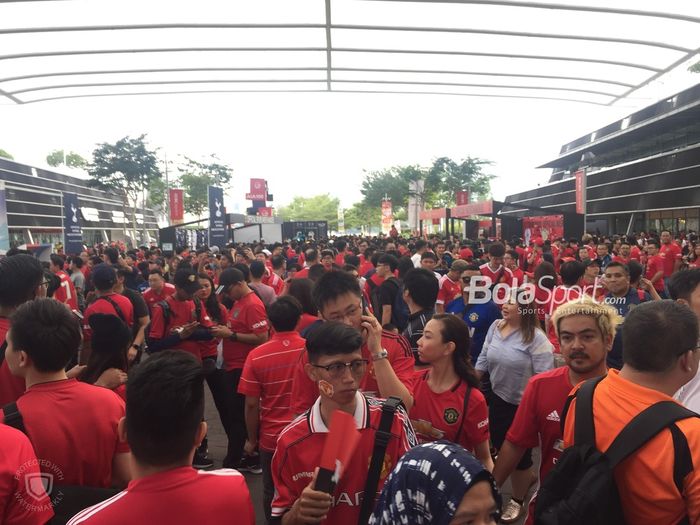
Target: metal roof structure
{"points": [[589, 51]]}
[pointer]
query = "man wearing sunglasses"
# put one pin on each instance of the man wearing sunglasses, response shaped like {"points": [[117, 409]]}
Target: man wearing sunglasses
{"points": [[337, 364], [479, 316]]}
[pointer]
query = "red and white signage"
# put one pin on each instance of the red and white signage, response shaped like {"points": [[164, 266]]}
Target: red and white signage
{"points": [[265, 212], [543, 227], [258, 190], [177, 206], [462, 197], [580, 176], [387, 216]]}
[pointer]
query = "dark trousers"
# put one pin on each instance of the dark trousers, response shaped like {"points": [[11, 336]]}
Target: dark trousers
{"points": [[215, 382], [501, 415], [268, 484], [236, 419]]}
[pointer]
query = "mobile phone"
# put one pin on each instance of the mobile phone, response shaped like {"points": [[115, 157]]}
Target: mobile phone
{"points": [[78, 314], [219, 289]]}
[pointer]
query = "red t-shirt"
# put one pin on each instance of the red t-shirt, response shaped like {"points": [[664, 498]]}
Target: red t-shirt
{"points": [[22, 502], [275, 281], [179, 496], [501, 275], [247, 316], [518, 277], [365, 266], [306, 320], [670, 253], [466, 254], [635, 253], [151, 297], [655, 264], [439, 416], [449, 290], [560, 295], [73, 427], [66, 292], [305, 391], [11, 387], [538, 419], [210, 348], [299, 451], [268, 374], [302, 274], [621, 259], [102, 305], [180, 313]]}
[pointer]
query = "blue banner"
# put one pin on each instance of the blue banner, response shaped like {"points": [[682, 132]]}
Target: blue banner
{"points": [[72, 233], [4, 232], [217, 217]]}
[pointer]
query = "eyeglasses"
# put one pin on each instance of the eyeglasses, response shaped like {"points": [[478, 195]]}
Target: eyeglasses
{"points": [[466, 280], [336, 370], [45, 283], [349, 314]]}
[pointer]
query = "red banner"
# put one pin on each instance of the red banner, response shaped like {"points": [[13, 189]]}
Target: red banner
{"points": [[177, 205], [258, 190], [542, 228], [580, 191], [265, 212], [387, 216], [462, 197], [435, 213], [473, 208]]}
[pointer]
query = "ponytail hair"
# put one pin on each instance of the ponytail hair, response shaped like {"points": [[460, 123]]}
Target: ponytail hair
{"points": [[454, 330]]}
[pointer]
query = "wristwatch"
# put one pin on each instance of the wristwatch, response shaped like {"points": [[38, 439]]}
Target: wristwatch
{"points": [[380, 355], [137, 346]]}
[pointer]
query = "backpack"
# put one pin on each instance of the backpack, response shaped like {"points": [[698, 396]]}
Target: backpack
{"points": [[399, 308], [581, 488]]}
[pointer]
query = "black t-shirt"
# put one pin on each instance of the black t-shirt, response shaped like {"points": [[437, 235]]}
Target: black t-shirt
{"points": [[137, 301], [384, 294]]}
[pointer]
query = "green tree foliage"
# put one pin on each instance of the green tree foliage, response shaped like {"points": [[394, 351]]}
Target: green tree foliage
{"points": [[126, 168], [446, 177], [695, 68], [194, 179], [71, 159], [317, 208], [5, 154], [361, 215]]}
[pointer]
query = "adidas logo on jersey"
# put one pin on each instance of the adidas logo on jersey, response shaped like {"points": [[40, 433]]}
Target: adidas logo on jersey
{"points": [[553, 416]]}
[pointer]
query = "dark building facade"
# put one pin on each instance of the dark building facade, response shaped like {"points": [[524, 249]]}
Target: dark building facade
{"points": [[35, 214], [643, 172]]}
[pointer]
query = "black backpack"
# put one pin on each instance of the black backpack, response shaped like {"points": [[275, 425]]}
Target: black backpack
{"points": [[581, 488]]}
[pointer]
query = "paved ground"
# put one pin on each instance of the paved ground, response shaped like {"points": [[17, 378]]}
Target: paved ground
{"points": [[217, 451]]}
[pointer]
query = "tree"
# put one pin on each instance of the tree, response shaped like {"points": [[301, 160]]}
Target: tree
{"points": [[126, 168], [317, 208], [695, 68], [71, 159], [5, 154], [362, 216], [448, 177], [196, 177]]}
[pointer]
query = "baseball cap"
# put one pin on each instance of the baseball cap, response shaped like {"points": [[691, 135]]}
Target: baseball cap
{"points": [[231, 276], [187, 280], [104, 276]]}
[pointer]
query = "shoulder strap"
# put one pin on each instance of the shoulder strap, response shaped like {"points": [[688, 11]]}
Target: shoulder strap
{"points": [[3, 347], [13, 417], [116, 307], [643, 427], [584, 428], [464, 412], [381, 440]]}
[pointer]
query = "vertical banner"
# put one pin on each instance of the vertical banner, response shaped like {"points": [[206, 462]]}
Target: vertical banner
{"points": [[580, 183], [72, 234], [462, 197], [177, 206], [4, 229], [258, 190], [217, 217], [341, 220], [387, 216]]}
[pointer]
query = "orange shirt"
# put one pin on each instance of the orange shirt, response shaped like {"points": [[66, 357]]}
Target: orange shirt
{"points": [[645, 479]]}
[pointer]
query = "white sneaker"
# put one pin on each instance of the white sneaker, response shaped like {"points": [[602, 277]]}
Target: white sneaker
{"points": [[512, 512]]}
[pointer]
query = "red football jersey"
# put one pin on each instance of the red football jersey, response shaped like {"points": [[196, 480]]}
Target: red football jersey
{"points": [[180, 313], [247, 316], [210, 348], [104, 306], [180, 496], [11, 387], [73, 427], [299, 451], [306, 320], [23, 500], [670, 253], [66, 291], [655, 264], [449, 290], [305, 392], [439, 416], [268, 374], [537, 421], [635, 253], [151, 297]]}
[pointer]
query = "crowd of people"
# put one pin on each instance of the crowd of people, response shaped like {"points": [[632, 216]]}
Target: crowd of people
{"points": [[454, 359]]}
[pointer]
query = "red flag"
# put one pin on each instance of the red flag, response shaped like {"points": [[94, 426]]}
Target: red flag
{"points": [[341, 443]]}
